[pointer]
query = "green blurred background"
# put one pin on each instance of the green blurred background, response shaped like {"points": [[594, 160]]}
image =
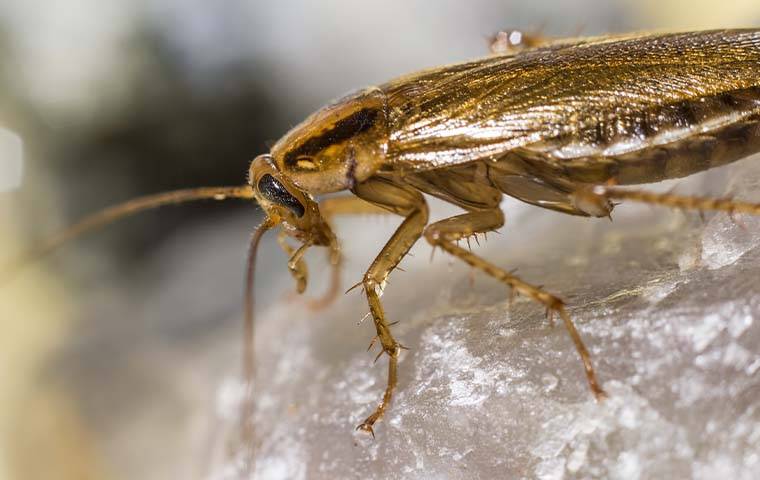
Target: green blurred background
{"points": [[118, 99]]}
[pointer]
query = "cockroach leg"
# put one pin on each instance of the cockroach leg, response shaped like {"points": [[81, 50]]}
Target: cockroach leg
{"points": [[408, 202], [681, 202], [375, 338], [333, 289], [330, 208], [296, 264], [444, 235]]}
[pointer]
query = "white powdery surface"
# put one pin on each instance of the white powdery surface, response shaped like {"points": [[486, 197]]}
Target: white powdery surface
{"points": [[488, 390]]}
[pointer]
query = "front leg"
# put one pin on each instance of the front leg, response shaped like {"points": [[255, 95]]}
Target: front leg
{"points": [[330, 208], [296, 264], [409, 203]]}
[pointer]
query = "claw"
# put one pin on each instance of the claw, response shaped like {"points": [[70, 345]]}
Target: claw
{"points": [[599, 395], [366, 427]]}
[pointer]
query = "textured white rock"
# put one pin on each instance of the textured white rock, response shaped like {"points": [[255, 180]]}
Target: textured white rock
{"points": [[489, 391], [485, 391]]}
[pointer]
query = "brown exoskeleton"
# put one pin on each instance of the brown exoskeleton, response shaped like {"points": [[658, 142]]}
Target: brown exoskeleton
{"points": [[559, 125]]}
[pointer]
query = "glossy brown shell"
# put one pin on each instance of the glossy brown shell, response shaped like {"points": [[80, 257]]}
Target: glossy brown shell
{"points": [[637, 108]]}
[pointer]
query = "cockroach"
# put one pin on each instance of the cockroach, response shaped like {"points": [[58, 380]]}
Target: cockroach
{"points": [[563, 124]]}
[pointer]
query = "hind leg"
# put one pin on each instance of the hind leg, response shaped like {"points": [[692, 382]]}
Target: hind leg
{"points": [[445, 233], [680, 202]]}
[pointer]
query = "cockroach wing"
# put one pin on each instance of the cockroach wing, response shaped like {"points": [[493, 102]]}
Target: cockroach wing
{"points": [[599, 98]]}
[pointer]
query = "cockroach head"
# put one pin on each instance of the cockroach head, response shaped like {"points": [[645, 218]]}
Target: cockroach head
{"points": [[338, 146], [285, 204]]}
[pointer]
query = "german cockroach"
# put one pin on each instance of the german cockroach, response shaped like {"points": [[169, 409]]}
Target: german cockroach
{"points": [[560, 124]]}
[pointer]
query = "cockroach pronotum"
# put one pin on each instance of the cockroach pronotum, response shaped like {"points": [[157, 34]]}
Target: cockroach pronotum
{"points": [[560, 124]]}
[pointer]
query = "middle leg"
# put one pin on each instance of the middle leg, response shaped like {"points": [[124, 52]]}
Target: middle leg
{"points": [[408, 202]]}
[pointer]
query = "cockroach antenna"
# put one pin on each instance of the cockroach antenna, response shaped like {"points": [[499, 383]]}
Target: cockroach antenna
{"points": [[117, 212]]}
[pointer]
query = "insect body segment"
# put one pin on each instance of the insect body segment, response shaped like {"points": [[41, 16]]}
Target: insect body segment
{"points": [[337, 147], [292, 208]]}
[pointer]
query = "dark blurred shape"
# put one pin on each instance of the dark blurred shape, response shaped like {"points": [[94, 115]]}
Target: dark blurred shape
{"points": [[181, 129]]}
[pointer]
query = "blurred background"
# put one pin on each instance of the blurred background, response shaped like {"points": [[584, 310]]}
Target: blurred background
{"points": [[123, 98]]}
